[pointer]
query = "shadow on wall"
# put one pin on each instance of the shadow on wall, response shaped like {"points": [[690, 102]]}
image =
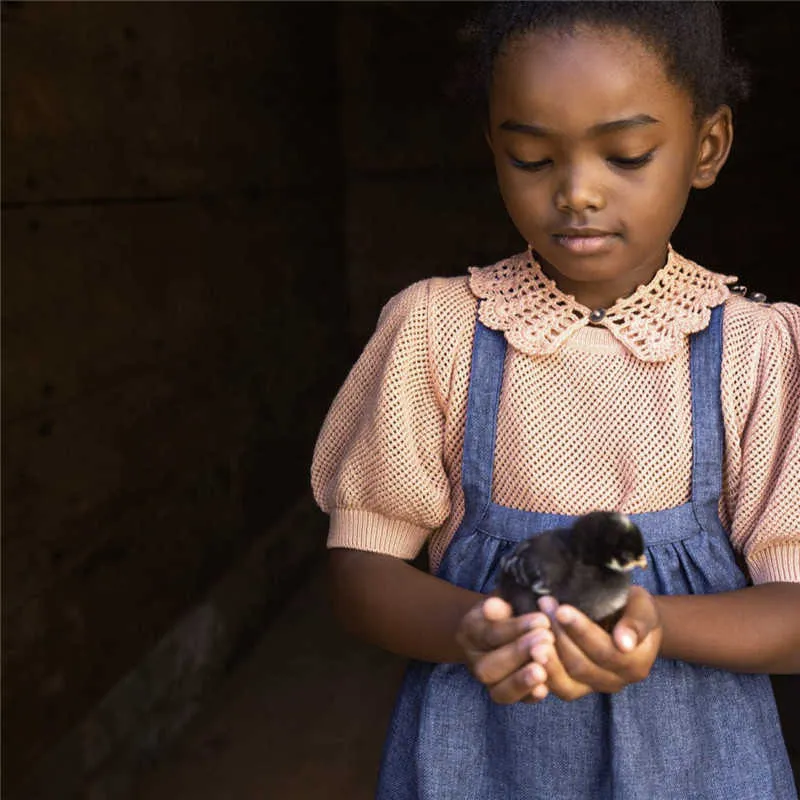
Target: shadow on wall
{"points": [[205, 206], [160, 225]]}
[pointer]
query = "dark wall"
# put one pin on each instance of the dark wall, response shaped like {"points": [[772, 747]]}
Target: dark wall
{"points": [[205, 206], [743, 225], [420, 196], [173, 275]]}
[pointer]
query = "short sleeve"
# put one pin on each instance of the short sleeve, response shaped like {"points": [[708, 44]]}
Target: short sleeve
{"points": [[377, 468], [761, 404]]}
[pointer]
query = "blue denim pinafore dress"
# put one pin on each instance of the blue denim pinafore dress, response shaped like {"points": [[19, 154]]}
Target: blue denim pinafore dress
{"points": [[685, 733]]}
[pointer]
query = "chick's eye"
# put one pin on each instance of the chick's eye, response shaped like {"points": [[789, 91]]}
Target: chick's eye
{"points": [[632, 163], [529, 166]]}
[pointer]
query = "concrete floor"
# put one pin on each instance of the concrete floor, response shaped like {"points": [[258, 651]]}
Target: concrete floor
{"points": [[302, 717]]}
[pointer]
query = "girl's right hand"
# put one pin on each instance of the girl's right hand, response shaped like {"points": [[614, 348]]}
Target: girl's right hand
{"points": [[499, 648]]}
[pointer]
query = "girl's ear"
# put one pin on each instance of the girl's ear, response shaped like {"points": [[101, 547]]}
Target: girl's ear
{"points": [[716, 137]]}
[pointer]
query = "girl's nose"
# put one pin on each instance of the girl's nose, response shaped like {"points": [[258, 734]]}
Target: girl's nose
{"points": [[578, 191]]}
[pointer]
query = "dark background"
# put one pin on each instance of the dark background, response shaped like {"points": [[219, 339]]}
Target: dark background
{"points": [[205, 206]]}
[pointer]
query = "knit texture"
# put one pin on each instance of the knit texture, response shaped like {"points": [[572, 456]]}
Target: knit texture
{"points": [[652, 322], [592, 417]]}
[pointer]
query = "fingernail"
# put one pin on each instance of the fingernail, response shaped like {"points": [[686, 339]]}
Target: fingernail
{"points": [[548, 605], [529, 678], [627, 641], [565, 615], [539, 621], [535, 674], [529, 641], [540, 692], [540, 654]]}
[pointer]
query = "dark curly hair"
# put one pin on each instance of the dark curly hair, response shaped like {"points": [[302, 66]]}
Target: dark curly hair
{"points": [[688, 36]]}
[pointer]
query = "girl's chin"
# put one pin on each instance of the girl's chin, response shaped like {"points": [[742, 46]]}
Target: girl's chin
{"points": [[582, 269]]}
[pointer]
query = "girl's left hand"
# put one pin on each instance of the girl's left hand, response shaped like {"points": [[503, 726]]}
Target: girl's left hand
{"points": [[587, 659]]}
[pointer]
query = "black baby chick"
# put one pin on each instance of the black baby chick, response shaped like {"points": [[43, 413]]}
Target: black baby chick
{"points": [[587, 566]]}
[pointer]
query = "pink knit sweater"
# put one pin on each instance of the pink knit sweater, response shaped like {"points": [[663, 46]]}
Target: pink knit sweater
{"points": [[591, 416]]}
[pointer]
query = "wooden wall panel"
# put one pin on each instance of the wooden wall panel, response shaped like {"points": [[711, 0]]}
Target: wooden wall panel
{"points": [[173, 326], [142, 99]]}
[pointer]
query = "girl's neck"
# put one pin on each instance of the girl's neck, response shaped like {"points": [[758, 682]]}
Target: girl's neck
{"points": [[603, 294]]}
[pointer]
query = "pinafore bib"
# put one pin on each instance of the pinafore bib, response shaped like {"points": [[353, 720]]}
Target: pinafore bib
{"points": [[684, 733]]}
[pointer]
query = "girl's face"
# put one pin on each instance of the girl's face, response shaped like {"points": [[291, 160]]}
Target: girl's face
{"points": [[596, 150]]}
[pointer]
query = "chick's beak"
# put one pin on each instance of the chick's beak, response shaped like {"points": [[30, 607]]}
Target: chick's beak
{"points": [[640, 562]]}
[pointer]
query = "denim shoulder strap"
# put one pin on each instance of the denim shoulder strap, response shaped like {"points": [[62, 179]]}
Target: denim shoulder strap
{"points": [[707, 425], [485, 381]]}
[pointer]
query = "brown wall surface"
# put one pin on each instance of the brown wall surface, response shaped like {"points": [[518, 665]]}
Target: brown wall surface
{"points": [[205, 206], [421, 198], [741, 224], [171, 177]]}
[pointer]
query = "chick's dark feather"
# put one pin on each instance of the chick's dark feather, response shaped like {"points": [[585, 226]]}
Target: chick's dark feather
{"points": [[587, 566]]}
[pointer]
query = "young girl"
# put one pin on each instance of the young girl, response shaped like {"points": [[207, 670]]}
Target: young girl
{"points": [[599, 369]]}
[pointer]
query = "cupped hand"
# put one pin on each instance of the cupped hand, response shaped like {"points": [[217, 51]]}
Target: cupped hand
{"points": [[504, 652], [587, 659]]}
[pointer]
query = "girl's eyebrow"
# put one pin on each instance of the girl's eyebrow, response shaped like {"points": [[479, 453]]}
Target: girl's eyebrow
{"points": [[595, 130]]}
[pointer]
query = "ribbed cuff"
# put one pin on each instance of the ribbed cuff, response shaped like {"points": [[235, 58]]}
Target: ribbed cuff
{"points": [[776, 563], [365, 530]]}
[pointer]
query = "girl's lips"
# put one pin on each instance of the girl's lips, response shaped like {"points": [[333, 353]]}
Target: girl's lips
{"points": [[586, 245]]}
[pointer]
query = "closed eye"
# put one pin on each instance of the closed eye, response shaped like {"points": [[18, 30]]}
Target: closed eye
{"points": [[618, 161], [529, 166], [633, 163]]}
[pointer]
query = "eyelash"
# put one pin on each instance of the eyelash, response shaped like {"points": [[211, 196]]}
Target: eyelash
{"points": [[622, 163], [633, 163]]}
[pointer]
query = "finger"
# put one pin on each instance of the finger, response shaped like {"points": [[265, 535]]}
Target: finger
{"points": [[488, 633], [547, 605], [520, 685], [538, 693], [581, 668], [639, 619], [477, 634], [495, 608], [573, 673], [559, 682], [495, 666], [586, 637]]}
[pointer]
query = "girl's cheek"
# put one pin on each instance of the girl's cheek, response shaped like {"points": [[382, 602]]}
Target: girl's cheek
{"points": [[523, 194]]}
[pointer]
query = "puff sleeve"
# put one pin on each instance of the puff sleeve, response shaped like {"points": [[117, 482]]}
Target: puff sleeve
{"points": [[377, 468], [762, 462]]}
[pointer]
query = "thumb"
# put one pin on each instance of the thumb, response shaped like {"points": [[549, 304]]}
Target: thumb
{"points": [[496, 609], [640, 617]]}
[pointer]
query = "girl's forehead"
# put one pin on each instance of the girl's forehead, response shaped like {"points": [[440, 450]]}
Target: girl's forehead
{"points": [[586, 70]]}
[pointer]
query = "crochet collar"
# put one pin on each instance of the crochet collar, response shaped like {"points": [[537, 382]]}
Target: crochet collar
{"points": [[537, 317]]}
